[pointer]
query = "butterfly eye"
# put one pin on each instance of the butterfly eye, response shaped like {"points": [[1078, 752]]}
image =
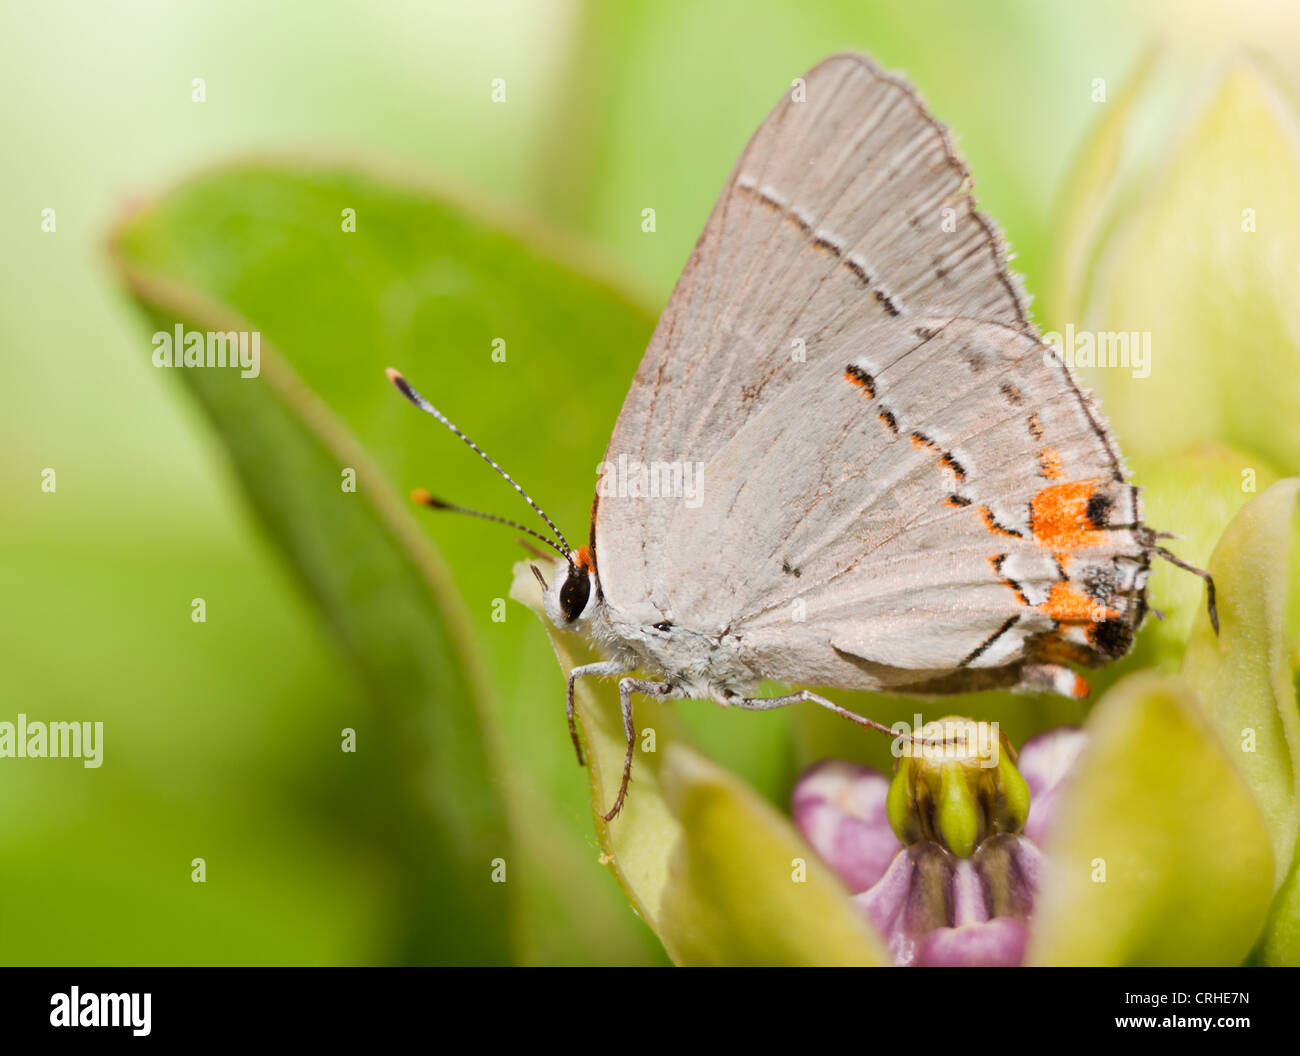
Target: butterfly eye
{"points": [[664, 626], [574, 593]]}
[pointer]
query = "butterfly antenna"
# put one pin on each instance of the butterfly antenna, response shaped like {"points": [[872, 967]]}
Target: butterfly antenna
{"points": [[425, 499], [404, 387]]}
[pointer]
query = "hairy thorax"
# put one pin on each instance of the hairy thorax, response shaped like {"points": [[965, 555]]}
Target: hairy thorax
{"points": [[703, 666]]}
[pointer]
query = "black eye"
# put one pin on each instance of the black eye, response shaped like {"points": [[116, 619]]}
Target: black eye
{"points": [[574, 593], [665, 626]]}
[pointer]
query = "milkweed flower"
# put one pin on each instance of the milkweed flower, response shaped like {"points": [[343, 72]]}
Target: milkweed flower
{"points": [[943, 859]]}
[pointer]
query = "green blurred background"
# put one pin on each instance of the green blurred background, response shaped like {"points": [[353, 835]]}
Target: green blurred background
{"points": [[222, 739]]}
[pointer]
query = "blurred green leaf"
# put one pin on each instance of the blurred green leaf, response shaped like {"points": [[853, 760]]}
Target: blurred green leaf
{"points": [[1089, 193], [382, 591], [744, 888], [1243, 675], [1159, 855], [430, 285], [1247, 682], [1194, 494], [1281, 945], [198, 763], [1209, 264]]}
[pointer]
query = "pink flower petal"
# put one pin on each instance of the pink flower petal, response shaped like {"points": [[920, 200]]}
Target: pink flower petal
{"points": [[1008, 869], [1045, 763], [997, 943], [968, 894], [911, 899], [840, 809]]}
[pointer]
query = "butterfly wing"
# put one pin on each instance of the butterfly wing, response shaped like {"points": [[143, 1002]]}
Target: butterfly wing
{"points": [[846, 225]]}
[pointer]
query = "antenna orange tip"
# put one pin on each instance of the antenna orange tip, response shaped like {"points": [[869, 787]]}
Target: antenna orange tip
{"points": [[421, 496], [394, 376]]}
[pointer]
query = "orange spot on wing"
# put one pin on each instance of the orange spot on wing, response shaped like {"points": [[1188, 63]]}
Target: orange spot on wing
{"points": [[855, 375], [1067, 603], [1060, 517], [1049, 463]]}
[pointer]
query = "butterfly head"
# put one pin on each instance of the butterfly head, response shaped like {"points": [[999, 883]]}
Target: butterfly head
{"points": [[570, 597]]}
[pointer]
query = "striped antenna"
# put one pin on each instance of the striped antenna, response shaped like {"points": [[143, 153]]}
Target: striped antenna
{"points": [[404, 387], [425, 499]]}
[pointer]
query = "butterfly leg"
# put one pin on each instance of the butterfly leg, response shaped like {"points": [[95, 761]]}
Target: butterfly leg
{"points": [[626, 687], [605, 667], [1210, 604], [768, 703]]}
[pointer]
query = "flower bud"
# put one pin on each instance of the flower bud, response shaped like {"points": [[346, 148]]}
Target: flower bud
{"points": [[956, 784]]}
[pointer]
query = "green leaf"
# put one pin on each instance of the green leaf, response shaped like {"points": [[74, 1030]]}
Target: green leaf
{"points": [[1159, 855], [1209, 265], [220, 741], [383, 592], [638, 841], [1246, 680], [1194, 494], [429, 283], [1243, 676], [745, 889], [1281, 945]]}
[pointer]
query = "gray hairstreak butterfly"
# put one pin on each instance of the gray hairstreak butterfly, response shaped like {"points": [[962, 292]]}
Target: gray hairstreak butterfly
{"points": [[896, 485]]}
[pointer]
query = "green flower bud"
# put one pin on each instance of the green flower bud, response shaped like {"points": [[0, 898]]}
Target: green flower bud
{"points": [[1013, 799], [956, 784]]}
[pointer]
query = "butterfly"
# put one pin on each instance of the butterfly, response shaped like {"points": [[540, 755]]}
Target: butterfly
{"points": [[848, 459]]}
